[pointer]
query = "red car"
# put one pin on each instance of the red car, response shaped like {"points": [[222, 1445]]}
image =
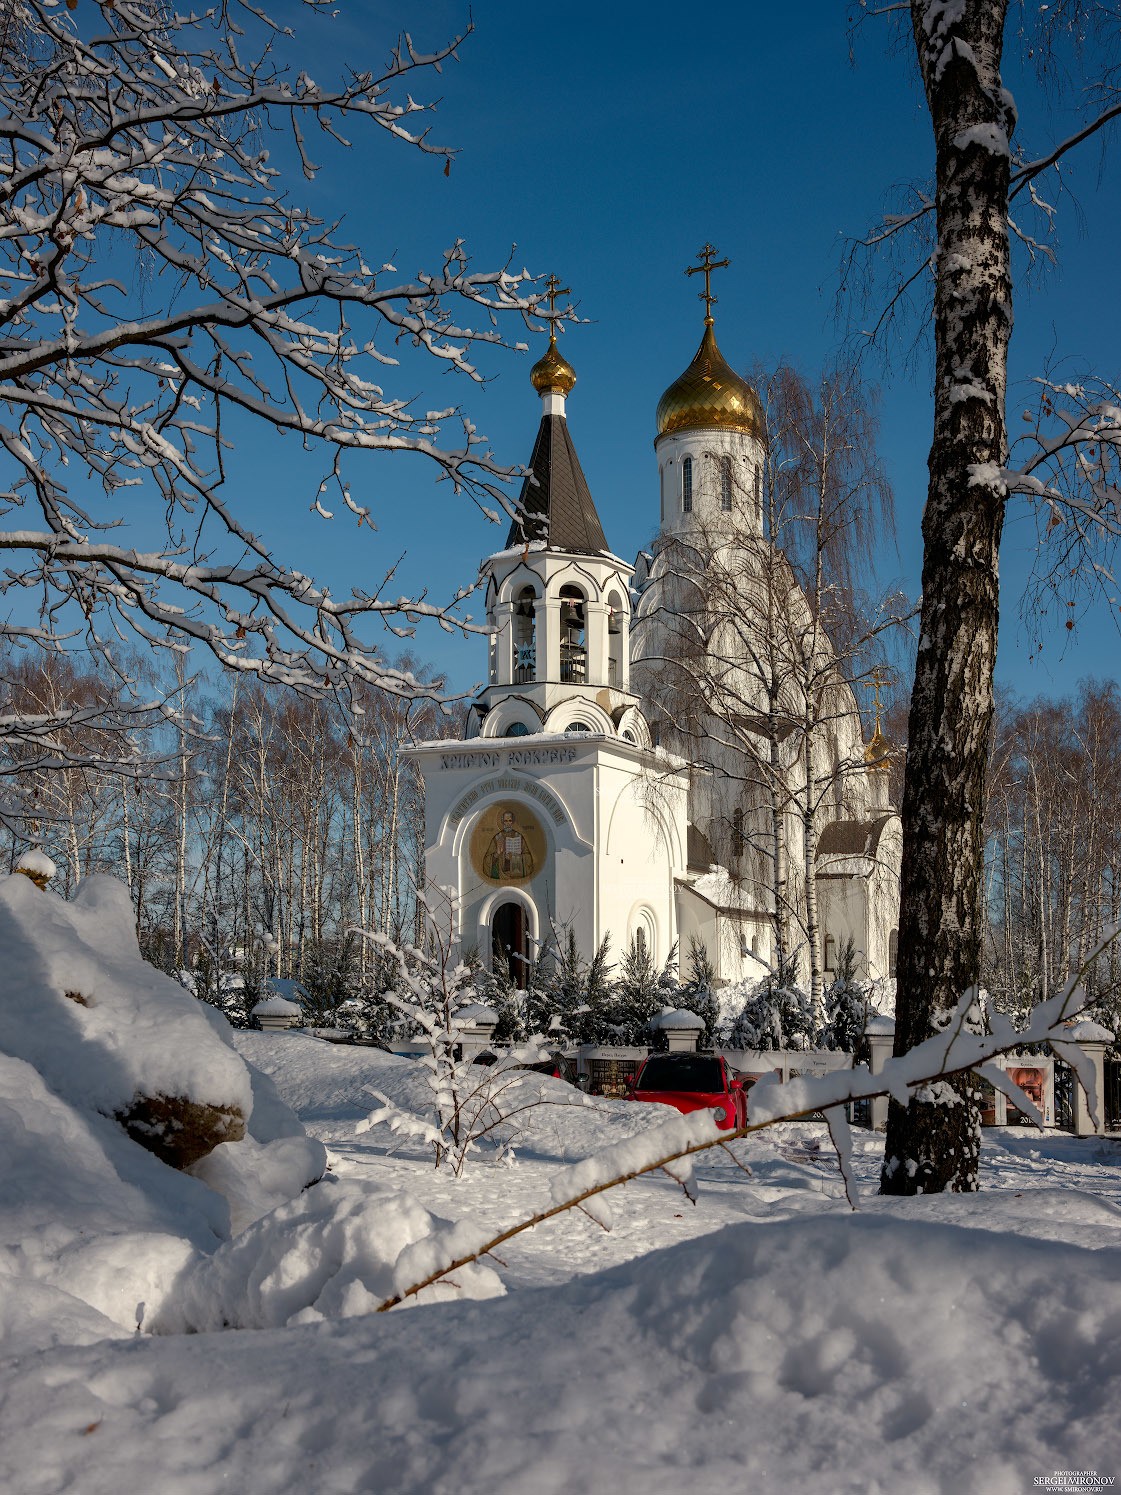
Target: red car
{"points": [[691, 1082]]}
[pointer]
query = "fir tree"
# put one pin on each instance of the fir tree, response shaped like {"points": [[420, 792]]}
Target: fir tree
{"points": [[640, 992], [846, 1005], [496, 989], [329, 976], [569, 999], [697, 995]]}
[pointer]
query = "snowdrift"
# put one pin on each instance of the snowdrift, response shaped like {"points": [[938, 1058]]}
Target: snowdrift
{"points": [[848, 1354], [107, 1030], [99, 1051]]}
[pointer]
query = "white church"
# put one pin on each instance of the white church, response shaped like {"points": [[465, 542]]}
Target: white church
{"points": [[578, 800]]}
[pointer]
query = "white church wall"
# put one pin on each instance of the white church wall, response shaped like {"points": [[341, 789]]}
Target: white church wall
{"points": [[603, 858], [708, 450], [843, 902], [642, 836]]}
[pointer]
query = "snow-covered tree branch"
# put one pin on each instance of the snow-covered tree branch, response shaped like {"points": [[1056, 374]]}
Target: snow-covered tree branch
{"points": [[162, 284]]}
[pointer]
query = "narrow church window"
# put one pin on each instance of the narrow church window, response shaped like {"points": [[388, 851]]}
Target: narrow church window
{"points": [[892, 952], [726, 484], [738, 841], [616, 641], [687, 486], [525, 637], [758, 489]]}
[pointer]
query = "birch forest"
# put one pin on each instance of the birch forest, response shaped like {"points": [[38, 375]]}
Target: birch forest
{"points": [[254, 826]]}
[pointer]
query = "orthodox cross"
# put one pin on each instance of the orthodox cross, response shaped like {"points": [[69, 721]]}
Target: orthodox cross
{"points": [[875, 684], [707, 265], [554, 289]]}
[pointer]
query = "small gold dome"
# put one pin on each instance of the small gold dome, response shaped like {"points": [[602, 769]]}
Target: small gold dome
{"points": [[709, 393], [877, 754], [552, 373]]}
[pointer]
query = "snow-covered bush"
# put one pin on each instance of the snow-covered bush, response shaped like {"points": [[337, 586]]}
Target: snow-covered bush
{"points": [[468, 1100], [776, 1013], [337, 1251]]}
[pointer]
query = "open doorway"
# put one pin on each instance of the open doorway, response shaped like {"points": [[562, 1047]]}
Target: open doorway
{"points": [[509, 941]]}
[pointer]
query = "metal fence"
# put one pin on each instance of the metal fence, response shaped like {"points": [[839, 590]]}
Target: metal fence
{"points": [[1112, 1095]]}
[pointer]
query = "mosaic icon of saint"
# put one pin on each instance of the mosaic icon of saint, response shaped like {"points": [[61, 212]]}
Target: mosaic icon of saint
{"points": [[508, 856]]}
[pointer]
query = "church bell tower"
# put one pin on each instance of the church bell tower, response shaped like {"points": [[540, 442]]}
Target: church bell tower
{"points": [[558, 599]]}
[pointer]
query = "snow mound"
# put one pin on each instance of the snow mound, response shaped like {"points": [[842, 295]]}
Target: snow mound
{"points": [[330, 1086], [841, 1354], [95, 1231], [274, 1163], [91, 1225], [332, 1253], [99, 1024]]}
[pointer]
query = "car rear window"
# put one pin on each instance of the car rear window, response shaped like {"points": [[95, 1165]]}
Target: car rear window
{"points": [[681, 1072]]}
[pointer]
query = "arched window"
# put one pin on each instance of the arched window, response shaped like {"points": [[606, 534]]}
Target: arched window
{"points": [[573, 642], [726, 484], [738, 840], [645, 933], [517, 729], [616, 619], [525, 637], [574, 728], [687, 486]]}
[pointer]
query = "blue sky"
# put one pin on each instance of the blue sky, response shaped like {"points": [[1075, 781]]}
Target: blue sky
{"points": [[608, 142]]}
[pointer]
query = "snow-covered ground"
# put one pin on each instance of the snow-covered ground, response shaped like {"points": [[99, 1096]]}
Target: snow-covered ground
{"points": [[766, 1338]]}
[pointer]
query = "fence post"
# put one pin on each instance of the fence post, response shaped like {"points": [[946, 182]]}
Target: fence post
{"points": [[477, 1025], [682, 1029], [1093, 1040], [880, 1033]]}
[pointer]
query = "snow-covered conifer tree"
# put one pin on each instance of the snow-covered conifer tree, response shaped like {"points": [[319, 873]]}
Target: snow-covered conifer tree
{"points": [[639, 992]]}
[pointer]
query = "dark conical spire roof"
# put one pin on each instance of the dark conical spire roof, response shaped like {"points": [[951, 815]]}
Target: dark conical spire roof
{"points": [[558, 507]]}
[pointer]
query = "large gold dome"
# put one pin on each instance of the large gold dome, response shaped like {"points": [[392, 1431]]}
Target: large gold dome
{"points": [[709, 393]]}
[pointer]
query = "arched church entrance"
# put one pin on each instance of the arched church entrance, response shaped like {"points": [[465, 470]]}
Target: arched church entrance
{"points": [[509, 941]]}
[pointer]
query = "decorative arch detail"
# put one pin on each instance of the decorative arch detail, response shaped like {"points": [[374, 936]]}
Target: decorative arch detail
{"points": [[490, 906], [643, 921], [583, 712], [521, 576], [498, 720]]}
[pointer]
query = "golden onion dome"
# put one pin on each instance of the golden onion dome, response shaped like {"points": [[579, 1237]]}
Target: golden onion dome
{"points": [[877, 754], [552, 373], [710, 393]]}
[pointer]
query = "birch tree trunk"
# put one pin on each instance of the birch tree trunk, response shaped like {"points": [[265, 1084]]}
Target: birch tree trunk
{"points": [[933, 1144]]}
